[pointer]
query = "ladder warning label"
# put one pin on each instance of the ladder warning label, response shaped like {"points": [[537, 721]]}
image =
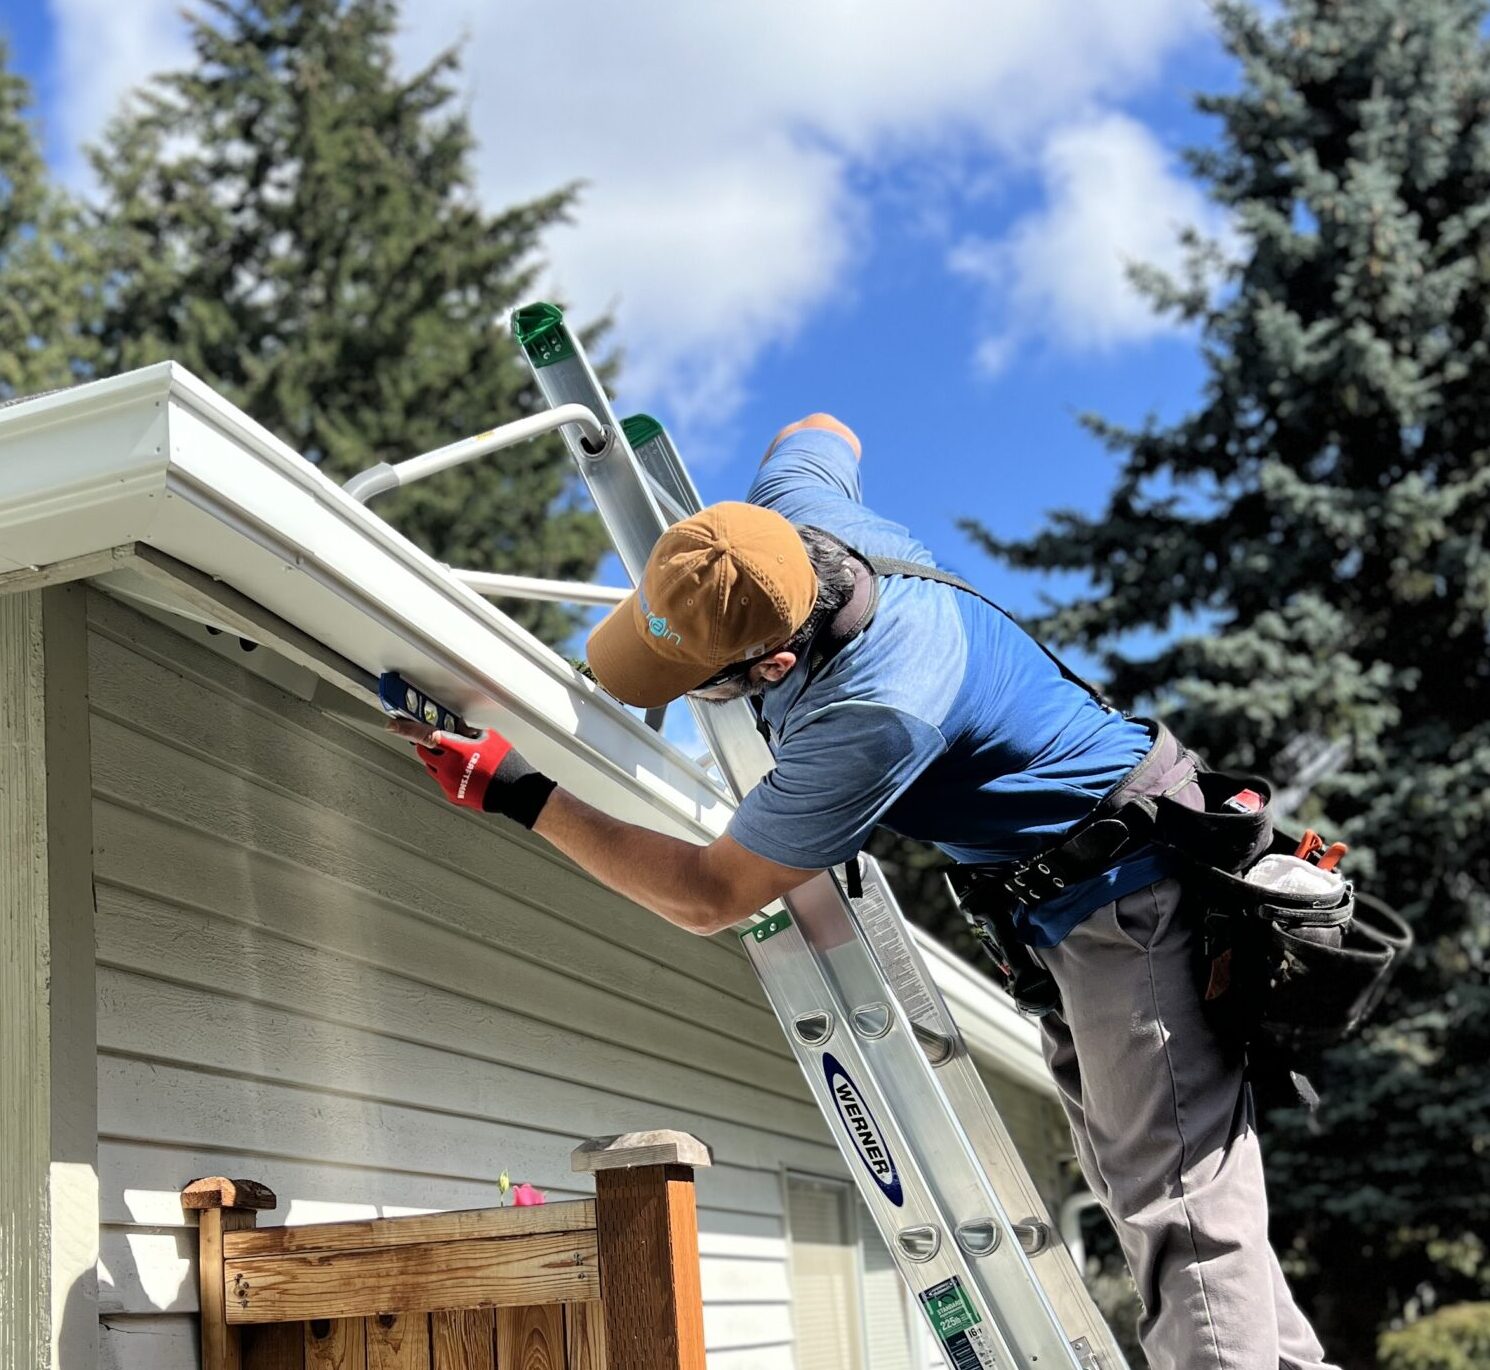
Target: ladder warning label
{"points": [[887, 938], [958, 1326]]}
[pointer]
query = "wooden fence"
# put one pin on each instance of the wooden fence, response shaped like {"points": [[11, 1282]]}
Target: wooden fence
{"points": [[609, 1283]]}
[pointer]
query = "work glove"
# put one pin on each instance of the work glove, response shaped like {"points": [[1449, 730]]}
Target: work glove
{"points": [[484, 772]]}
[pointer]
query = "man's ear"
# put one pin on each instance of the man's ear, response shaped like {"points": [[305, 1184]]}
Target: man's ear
{"points": [[775, 667]]}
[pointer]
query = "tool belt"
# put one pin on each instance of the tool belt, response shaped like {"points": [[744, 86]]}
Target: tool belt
{"points": [[1125, 821], [1280, 973]]}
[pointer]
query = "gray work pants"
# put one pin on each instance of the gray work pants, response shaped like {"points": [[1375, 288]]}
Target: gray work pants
{"points": [[1167, 1140]]}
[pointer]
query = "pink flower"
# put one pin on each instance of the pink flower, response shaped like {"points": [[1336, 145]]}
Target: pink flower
{"points": [[525, 1196]]}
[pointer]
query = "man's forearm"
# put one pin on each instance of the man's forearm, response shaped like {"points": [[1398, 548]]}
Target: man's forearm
{"points": [[664, 874], [701, 888]]}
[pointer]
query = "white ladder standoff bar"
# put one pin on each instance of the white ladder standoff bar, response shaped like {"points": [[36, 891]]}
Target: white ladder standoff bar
{"points": [[933, 1161], [884, 1059]]}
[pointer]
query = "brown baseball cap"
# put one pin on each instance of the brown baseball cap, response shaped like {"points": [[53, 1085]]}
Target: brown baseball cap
{"points": [[728, 584]]}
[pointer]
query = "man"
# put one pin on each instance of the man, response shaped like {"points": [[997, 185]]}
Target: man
{"points": [[914, 703]]}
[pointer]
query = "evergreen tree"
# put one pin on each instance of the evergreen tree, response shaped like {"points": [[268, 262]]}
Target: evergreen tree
{"points": [[295, 222], [22, 172], [48, 278], [1323, 515]]}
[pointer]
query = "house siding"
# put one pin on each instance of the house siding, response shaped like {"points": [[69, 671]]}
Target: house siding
{"points": [[313, 972]]}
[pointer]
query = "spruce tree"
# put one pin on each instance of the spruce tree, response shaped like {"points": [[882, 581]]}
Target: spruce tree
{"points": [[48, 276], [295, 222], [1312, 542]]}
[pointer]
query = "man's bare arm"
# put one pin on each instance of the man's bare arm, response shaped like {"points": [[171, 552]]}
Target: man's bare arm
{"points": [[701, 888], [824, 421]]}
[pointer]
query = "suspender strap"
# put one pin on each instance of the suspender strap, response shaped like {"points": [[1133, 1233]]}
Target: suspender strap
{"points": [[893, 566]]}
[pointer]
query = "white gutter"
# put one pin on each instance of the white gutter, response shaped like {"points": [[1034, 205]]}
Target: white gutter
{"points": [[156, 457]]}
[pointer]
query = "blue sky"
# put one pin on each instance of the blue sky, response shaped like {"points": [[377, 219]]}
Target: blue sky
{"points": [[914, 217]]}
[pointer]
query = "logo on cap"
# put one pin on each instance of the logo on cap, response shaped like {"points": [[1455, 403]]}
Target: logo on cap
{"points": [[657, 625]]}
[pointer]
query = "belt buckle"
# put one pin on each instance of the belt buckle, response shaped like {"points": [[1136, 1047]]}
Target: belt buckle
{"points": [[1032, 882]]}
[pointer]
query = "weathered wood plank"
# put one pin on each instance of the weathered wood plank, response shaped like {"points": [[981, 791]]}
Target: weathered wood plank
{"points": [[221, 1191], [152, 1270], [464, 1340], [222, 1347], [577, 1215], [71, 568], [682, 1246], [548, 1268], [645, 1146], [398, 1341], [274, 1346], [336, 1344], [584, 1336], [648, 1236], [531, 1338]]}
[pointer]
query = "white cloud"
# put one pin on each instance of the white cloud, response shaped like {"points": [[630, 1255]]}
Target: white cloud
{"points": [[719, 141], [106, 48], [1113, 197]]}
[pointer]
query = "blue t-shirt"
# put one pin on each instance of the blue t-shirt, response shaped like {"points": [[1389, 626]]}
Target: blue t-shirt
{"points": [[943, 720]]}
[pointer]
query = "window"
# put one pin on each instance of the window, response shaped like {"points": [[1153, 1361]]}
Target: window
{"points": [[889, 1323], [825, 1275], [850, 1309]]}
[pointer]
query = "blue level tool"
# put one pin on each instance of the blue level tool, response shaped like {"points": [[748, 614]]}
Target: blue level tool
{"points": [[402, 700]]}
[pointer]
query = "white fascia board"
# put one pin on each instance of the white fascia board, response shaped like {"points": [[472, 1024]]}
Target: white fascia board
{"points": [[156, 456], [81, 466]]}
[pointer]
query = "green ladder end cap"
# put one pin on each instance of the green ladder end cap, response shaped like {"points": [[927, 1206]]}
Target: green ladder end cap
{"points": [[640, 429], [767, 927], [540, 332]]}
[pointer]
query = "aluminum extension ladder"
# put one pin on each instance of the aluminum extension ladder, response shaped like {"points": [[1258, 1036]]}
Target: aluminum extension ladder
{"points": [[885, 1061]]}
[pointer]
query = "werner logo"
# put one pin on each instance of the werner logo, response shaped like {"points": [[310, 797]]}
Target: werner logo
{"points": [[863, 1129]]}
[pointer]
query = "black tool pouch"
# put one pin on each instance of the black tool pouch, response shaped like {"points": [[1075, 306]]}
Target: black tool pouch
{"points": [[1281, 974], [983, 902]]}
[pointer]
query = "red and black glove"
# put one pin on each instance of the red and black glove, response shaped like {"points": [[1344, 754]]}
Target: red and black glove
{"points": [[486, 772]]}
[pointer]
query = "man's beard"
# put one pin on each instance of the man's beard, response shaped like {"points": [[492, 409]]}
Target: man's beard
{"points": [[742, 687]]}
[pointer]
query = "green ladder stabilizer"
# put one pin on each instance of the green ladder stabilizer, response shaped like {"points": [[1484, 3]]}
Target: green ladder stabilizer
{"points": [[884, 1059]]}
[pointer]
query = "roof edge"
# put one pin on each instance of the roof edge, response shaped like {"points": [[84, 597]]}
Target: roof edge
{"points": [[156, 456]]}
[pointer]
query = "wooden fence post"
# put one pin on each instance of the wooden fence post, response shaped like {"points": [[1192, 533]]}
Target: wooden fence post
{"points": [[225, 1206], [647, 1234]]}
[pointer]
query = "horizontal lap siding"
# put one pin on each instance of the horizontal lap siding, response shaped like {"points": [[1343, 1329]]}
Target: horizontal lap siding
{"points": [[314, 973]]}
